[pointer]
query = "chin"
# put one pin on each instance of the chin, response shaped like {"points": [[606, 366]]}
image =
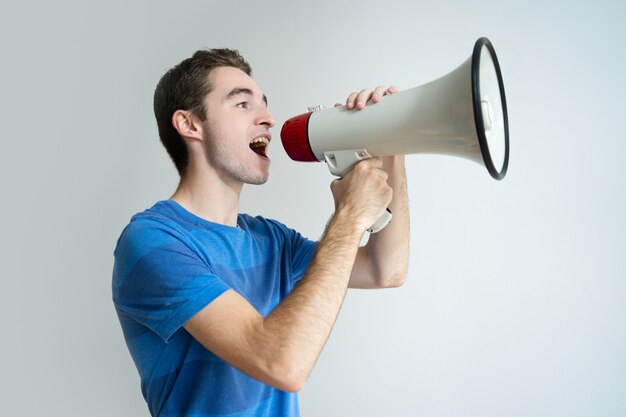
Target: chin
{"points": [[258, 180]]}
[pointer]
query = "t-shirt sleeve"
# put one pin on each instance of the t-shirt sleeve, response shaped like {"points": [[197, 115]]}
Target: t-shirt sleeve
{"points": [[302, 251], [159, 281]]}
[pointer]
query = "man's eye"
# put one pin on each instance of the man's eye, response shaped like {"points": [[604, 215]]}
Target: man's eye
{"points": [[243, 105]]}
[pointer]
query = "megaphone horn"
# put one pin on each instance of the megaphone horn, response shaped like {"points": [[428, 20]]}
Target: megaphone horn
{"points": [[462, 114]]}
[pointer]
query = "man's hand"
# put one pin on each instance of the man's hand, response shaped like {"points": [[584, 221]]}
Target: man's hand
{"points": [[358, 100], [363, 192]]}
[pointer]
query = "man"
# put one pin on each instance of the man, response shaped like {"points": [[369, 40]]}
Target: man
{"points": [[223, 313]]}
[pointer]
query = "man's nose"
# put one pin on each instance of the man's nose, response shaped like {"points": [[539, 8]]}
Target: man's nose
{"points": [[266, 118]]}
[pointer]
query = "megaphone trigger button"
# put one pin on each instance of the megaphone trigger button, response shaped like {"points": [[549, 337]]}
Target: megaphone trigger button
{"points": [[331, 160]]}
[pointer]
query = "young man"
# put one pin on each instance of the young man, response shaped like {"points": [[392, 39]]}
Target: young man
{"points": [[223, 313]]}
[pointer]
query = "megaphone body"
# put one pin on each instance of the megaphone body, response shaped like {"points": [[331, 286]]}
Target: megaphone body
{"points": [[462, 114]]}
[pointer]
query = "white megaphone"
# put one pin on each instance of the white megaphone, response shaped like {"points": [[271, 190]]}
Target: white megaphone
{"points": [[462, 113]]}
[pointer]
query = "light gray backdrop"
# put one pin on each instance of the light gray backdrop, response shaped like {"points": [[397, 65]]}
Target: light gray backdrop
{"points": [[515, 305]]}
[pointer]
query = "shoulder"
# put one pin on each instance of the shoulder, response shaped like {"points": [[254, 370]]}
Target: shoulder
{"points": [[149, 229]]}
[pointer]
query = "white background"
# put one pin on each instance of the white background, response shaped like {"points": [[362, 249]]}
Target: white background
{"points": [[516, 300]]}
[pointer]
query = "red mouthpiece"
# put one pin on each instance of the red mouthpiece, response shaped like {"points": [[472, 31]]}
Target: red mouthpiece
{"points": [[295, 137]]}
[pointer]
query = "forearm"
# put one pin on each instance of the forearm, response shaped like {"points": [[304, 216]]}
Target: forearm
{"points": [[299, 327], [387, 252]]}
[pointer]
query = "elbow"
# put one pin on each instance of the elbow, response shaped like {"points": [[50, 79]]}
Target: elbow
{"points": [[288, 378], [392, 279], [283, 381], [292, 386], [389, 275], [282, 370], [396, 280], [279, 364]]}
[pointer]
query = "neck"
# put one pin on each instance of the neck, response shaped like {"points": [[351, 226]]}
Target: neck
{"points": [[203, 193]]}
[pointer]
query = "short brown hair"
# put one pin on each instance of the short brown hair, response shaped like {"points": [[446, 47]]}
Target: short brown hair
{"points": [[184, 87]]}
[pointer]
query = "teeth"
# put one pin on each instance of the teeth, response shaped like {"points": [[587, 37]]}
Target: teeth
{"points": [[260, 141]]}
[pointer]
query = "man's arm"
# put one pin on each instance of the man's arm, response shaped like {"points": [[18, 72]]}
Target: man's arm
{"points": [[383, 261], [282, 348]]}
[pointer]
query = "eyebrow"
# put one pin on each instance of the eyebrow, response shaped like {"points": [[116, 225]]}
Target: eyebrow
{"points": [[242, 90]]}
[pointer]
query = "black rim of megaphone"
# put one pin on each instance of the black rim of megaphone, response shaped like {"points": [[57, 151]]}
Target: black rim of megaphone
{"points": [[478, 113]]}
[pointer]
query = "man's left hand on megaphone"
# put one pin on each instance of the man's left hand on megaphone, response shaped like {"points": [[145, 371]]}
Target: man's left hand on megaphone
{"points": [[358, 100]]}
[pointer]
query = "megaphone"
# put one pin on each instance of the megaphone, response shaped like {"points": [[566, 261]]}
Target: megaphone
{"points": [[461, 114]]}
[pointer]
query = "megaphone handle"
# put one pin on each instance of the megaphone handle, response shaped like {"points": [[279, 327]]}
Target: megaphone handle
{"points": [[340, 163], [381, 223]]}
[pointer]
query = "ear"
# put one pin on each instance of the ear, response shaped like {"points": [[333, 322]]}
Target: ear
{"points": [[187, 126]]}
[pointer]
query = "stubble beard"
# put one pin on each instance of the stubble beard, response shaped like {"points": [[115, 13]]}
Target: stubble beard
{"points": [[229, 165]]}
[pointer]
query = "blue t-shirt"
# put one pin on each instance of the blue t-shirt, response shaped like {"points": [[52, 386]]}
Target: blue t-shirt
{"points": [[169, 264]]}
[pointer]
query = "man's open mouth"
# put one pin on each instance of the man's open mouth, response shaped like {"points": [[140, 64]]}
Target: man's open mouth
{"points": [[259, 145]]}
